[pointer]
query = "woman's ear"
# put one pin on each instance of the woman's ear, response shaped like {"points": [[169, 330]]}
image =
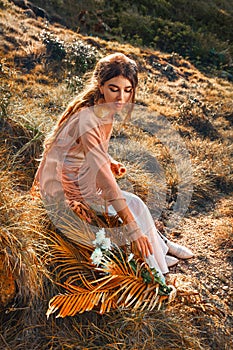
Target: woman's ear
{"points": [[101, 89]]}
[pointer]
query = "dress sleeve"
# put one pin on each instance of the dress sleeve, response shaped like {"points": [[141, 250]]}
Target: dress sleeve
{"points": [[95, 146], [95, 150]]}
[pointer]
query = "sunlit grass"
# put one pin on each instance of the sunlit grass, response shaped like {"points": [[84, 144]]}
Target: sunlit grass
{"points": [[37, 97], [21, 237]]}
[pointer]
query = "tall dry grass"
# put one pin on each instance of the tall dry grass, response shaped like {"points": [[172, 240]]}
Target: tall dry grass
{"points": [[199, 108], [22, 241]]}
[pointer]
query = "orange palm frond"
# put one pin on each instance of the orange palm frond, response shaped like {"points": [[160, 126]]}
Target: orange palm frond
{"points": [[69, 260], [125, 293], [75, 229], [71, 304], [63, 250], [113, 285]]}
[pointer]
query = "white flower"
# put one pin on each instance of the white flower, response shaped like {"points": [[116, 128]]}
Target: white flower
{"points": [[106, 244], [100, 237], [130, 257], [97, 256]]}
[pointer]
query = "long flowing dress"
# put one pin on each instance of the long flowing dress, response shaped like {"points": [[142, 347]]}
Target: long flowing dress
{"points": [[77, 167]]}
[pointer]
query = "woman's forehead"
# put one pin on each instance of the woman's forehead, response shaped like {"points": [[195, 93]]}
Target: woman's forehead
{"points": [[120, 81]]}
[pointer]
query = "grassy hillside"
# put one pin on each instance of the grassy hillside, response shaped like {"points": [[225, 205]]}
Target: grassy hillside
{"points": [[200, 31], [43, 66]]}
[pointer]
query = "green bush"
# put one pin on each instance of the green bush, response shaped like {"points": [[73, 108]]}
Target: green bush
{"points": [[74, 83], [75, 58], [81, 57], [137, 26], [174, 37], [55, 47]]}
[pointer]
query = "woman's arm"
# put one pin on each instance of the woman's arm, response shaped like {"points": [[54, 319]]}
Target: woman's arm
{"points": [[135, 234], [98, 159]]}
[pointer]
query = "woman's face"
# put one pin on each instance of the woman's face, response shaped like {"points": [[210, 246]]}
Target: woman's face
{"points": [[117, 90]]}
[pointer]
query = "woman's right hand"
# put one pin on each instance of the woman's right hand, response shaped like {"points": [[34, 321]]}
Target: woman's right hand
{"points": [[144, 246], [140, 241]]}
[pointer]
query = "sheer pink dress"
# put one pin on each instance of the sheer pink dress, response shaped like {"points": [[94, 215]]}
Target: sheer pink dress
{"points": [[77, 167]]}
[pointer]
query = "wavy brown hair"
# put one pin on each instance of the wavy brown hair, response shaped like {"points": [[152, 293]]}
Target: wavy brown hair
{"points": [[108, 67]]}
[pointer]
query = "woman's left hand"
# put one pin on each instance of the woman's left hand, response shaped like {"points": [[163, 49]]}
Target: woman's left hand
{"points": [[118, 169]]}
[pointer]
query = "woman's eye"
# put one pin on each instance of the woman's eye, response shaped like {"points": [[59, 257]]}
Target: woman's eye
{"points": [[116, 90]]}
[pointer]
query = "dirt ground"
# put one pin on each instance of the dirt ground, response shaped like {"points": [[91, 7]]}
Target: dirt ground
{"points": [[209, 235]]}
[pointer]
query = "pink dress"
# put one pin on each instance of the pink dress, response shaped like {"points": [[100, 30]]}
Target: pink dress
{"points": [[77, 167]]}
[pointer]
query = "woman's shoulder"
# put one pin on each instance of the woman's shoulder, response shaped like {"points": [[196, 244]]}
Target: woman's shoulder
{"points": [[88, 119]]}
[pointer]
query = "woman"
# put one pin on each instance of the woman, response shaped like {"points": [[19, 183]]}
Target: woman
{"points": [[77, 169]]}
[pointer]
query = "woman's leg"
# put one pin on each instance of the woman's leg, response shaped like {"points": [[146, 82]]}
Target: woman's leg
{"points": [[159, 259], [146, 223]]}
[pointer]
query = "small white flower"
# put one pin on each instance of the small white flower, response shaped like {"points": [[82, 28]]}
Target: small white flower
{"points": [[97, 256], [106, 244], [130, 257], [100, 236]]}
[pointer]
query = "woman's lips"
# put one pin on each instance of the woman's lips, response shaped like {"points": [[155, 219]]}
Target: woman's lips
{"points": [[119, 104]]}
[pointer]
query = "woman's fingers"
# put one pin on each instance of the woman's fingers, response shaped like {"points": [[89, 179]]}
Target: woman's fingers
{"points": [[144, 246], [83, 214], [80, 209], [150, 247]]}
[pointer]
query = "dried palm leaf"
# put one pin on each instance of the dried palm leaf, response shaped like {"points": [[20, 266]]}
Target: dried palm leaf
{"points": [[117, 283], [72, 226], [68, 259]]}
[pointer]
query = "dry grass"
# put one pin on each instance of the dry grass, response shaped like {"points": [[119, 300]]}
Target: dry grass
{"points": [[223, 229], [199, 109], [21, 238]]}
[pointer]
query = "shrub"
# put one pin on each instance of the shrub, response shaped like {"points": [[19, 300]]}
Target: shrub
{"points": [[174, 37], [81, 57], [55, 47], [74, 83], [76, 57], [136, 25]]}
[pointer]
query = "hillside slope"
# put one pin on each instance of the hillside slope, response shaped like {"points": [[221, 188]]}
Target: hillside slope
{"points": [[198, 30], [43, 66]]}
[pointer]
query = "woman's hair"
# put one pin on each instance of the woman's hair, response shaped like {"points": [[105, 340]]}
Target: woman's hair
{"points": [[108, 67]]}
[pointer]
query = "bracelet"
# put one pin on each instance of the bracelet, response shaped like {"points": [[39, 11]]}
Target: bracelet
{"points": [[133, 232]]}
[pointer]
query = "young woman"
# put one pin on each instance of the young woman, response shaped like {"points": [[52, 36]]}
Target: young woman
{"points": [[77, 169]]}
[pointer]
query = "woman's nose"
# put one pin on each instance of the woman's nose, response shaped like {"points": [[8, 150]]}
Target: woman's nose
{"points": [[121, 96]]}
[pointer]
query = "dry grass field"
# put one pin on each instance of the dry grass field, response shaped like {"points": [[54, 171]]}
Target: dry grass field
{"points": [[42, 68]]}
